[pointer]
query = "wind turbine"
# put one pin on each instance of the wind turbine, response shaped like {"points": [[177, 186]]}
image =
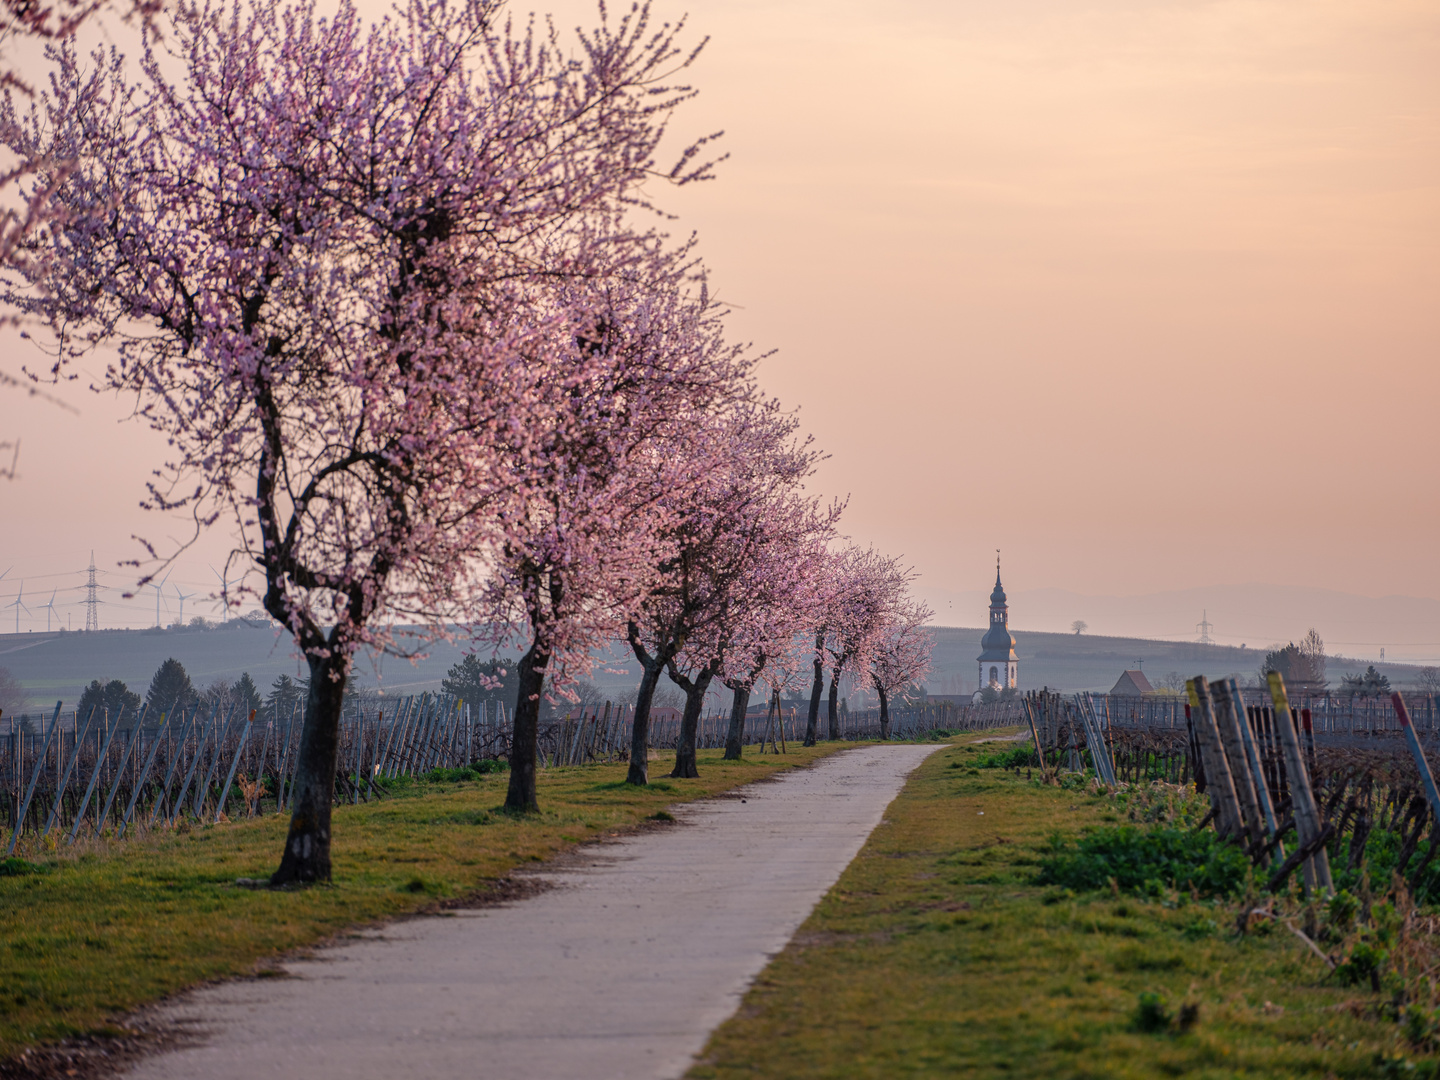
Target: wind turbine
{"points": [[183, 597], [49, 608], [224, 592], [157, 589], [17, 604]]}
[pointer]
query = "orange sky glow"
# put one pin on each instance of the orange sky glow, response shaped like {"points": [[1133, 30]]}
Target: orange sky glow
{"points": [[1146, 295]]}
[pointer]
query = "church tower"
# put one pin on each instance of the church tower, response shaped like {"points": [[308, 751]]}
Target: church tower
{"points": [[997, 656]]}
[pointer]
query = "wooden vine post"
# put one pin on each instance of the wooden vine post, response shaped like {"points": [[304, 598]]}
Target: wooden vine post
{"points": [[1219, 782], [1228, 714], [1302, 796], [34, 779], [1035, 734], [1257, 768], [1421, 765]]}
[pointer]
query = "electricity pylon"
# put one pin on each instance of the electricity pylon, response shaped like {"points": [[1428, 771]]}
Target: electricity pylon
{"points": [[92, 601]]}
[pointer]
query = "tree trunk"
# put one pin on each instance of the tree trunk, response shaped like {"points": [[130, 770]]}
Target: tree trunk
{"points": [[812, 722], [525, 730], [884, 712], [307, 845], [685, 766], [640, 736], [735, 737], [835, 705]]}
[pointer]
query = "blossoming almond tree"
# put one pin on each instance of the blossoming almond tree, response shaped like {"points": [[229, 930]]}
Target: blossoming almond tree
{"points": [[757, 590], [817, 683], [750, 461], [323, 252], [865, 590], [775, 600], [26, 205], [598, 476], [786, 669], [902, 654], [31, 22]]}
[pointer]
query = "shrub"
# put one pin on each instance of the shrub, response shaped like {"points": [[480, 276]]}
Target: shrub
{"points": [[1015, 758], [1151, 1015], [474, 771], [1197, 929], [1340, 914], [1146, 861], [1421, 1026], [1368, 957], [1398, 1066], [1365, 963], [1189, 1016]]}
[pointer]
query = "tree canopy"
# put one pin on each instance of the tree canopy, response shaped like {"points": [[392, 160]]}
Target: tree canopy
{"points": [[1302, 665], [170, 689], [286, 694], [113, 698], [390, 293], [1368, 684], [247, 694], [12, 694], [475, 681]]}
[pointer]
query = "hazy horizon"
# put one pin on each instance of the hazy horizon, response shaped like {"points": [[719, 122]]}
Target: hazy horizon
{"points": [[1256, 615], [1143, 296]]}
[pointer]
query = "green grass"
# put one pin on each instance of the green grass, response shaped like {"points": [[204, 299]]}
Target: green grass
{"points": [[938, 954], [87, 936], [1148, 860]]}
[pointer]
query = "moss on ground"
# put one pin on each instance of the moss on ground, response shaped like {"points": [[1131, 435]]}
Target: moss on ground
{"points": [[95, 933], [936, 954]]}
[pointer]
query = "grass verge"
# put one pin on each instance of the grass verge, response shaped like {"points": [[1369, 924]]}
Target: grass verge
{"points": [[938, 954], [91, 935]]}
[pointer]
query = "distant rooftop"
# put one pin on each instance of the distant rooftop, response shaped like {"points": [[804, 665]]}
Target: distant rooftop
{"points": [[1132, 684]]}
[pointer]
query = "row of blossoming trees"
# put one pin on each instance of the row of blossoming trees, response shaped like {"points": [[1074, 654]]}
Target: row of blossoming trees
{"points": [[389, 292]]}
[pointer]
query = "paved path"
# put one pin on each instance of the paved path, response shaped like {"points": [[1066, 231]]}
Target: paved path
{"points": [[622, 970]]}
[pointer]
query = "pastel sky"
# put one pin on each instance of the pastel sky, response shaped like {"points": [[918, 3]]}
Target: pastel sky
{"points": [[1145, 294]]}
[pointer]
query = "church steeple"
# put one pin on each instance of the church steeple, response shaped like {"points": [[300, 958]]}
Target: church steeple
{"points": [[998, 646]]}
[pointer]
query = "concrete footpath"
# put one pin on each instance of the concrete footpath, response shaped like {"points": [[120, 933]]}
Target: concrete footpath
{"points": [[622, 970]]}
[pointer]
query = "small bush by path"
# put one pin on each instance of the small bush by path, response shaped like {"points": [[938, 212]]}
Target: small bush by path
{"points": [[1015, 757], [1147, 860], [87, 936], [941, 953]]}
